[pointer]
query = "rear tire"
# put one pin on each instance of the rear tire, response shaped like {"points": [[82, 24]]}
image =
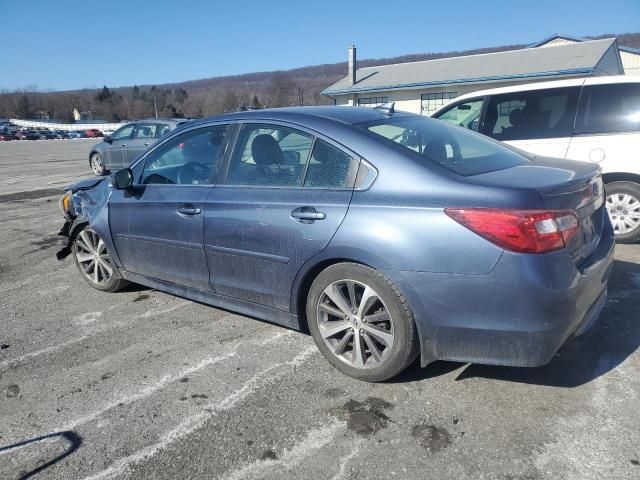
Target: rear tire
{"points": [[97, 165], [94, 262], [623, 207], [361, 322]]}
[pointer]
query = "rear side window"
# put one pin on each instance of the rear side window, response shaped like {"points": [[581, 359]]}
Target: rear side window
{"points": [[330, 167], [530, 115], [459, 150], [609, 109], [269, 155], [465, 114]]}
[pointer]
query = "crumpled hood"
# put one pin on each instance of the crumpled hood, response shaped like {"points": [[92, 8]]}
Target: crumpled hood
{"points": [[84, 184]]}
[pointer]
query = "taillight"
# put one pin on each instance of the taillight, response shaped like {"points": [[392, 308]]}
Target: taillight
{"points": [[526, 231]]}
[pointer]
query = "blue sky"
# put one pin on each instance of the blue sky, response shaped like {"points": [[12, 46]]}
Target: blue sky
{"points": [[67, 44]]}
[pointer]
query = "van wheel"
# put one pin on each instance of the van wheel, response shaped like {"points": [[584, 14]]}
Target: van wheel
{"points": [[623, 206], [361, 322]]}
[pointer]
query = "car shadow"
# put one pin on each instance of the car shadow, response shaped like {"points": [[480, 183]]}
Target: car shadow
{"points": [[73, 439], [613, 338]]}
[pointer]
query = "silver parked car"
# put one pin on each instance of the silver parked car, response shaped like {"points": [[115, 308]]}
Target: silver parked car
{"points": [[123, 147]]}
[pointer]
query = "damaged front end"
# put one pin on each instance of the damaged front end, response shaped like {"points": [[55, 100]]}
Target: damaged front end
{"points": [[80, 205]]}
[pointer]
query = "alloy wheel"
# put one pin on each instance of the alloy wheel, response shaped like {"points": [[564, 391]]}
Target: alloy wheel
{"points": [[96, 165], [624, 212], [93, 258], [355, 324]]}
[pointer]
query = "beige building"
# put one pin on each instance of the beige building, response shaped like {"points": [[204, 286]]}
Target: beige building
{"points": [[630, 57], [423, 87]]}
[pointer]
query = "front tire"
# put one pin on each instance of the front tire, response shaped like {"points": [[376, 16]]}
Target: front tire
{"points": [[623, 207], [94, 262], [361, 322], [97, 165]]}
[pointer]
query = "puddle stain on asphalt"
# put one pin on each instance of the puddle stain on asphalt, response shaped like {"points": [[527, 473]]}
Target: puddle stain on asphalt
{"points": [[12, 391], [140, 297], [364, 418], [431, 438], [268, 455]]}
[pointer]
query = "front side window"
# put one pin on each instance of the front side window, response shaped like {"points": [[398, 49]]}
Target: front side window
{"points": [[191, 158], [330, 167], [269, 155], [433, 101], [123, 133], [530, 115], [465, 114], [461, 151], [609, 109], [145, 131]]}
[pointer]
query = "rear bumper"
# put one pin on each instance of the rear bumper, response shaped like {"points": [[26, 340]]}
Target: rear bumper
{"points": [[519, 314]]}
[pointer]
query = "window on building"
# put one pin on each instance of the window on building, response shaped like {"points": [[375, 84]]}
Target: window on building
{"points": [[609, 109], [433, 101], [372, 101], [533, 114]]}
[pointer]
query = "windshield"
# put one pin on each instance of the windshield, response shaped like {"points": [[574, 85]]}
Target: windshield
{"points": [[459, 150]]}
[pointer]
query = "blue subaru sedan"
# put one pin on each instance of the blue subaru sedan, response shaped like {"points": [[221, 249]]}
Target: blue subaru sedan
{"points": [[386, 235]]}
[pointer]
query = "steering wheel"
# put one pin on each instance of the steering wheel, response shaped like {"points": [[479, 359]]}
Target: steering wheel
{"points": [[193, 174]]}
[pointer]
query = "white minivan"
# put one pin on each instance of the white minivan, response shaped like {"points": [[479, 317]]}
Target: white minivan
{"points": [[593, 119]]}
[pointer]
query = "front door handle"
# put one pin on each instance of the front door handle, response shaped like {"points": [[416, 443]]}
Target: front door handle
{"points": [[189, 211], [146, 144], [307, 215]]}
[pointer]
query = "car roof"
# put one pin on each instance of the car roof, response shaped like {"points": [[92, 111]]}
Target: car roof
{"points": [[340, 114], [603, 80]]}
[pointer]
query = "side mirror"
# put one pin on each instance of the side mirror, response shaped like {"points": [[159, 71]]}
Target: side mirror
{"points": [[122, 179], [107, 138]]}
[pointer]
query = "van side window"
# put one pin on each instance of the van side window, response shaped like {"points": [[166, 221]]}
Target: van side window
{"points": [[465, 114], [609, 109], [533, 114]]}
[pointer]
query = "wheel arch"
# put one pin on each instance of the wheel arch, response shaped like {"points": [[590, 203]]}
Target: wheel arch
{"points": [[611, 177]]}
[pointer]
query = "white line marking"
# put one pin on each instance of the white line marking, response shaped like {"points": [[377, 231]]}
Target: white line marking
{"points": [[191, 424], [52, 348], [315, 440], [159, 311], [151, 389], [344, 461]]}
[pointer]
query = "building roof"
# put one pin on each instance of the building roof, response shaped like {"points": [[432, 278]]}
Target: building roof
{"points": [[563, 60], [573, 38]]}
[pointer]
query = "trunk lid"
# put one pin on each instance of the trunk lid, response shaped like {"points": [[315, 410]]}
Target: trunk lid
{"points": [[562, 185]]}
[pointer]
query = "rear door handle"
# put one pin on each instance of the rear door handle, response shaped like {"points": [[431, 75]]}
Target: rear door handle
{"points": [[307, 215], [146, 144], [189, 211]]}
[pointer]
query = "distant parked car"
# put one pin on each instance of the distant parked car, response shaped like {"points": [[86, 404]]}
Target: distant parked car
{"points": [[389, 236], [595, 120], [74, 134], [7, 137], [27, 135], [126, 143], [93, 133], [61, 134], [46, 135]]}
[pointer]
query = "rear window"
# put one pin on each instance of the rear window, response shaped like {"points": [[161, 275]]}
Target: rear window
{"points": [[459, 150], [609, 109]]}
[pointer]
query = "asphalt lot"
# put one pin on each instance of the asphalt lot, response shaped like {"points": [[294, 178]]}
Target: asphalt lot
{"points": [[141, 384]]}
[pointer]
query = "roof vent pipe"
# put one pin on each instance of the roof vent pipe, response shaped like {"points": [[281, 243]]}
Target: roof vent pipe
{"points": [[352, 65]]}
